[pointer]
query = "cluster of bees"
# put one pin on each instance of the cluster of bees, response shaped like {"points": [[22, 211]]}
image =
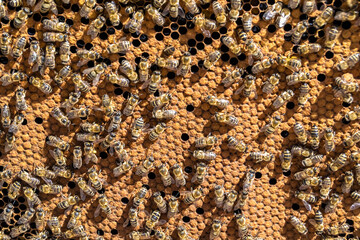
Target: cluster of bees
{"points": [[43, 61]]}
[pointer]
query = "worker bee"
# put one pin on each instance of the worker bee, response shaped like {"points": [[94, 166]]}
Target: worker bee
{"points": [[63, 73], [62, 172], [346, 85], [324, 17], [5, 116], [312, 160], [314, 137], [231, 44], [5, 42], [275, 9], [46, 5], [283, 17], [28, 178], [50, 188], [94, 73], [162, 100], [254, 49], [310, 182], [156, 131], [237, 145], [298, 225], [155, 15], [132, 219], [7, 214], [168, 51], [153, 82], [306, 173], [297, 77], [131, 104], [169, 63], [193, 195], [309, 6], [60, 117], [160, 235], [325, 188], [145, 167], [329, 140], [348, 63], [113, 13], [140, 196], [40, 218], [138, 126], [18, 47], [337, 230], [208, 141], [160, 202], [9, 142], [17, 230], [129, 70], [219, 192], [331, 34], [40, 84], [54, 226], [306, 198], [44, 173], [57, 142], [283, 98], [261, 156], [95, 26], [355, 157], [183, 233], [308, 48], [164, 114], [318, 222], [291, 62], [300, 133], [191, 7], [64, 53], [78, 231], [348, 182], [118, 47], [260, 66], [212, 58], [247, 21], [173, 207], [180, 178], [58, 155], [14, 77], [90, 153], [248, 86], [103, 206], [120, 80], [86, 8], [271, 83], [218, 102], [185, 64], [356, 196], [204, 24], [54, 37], [31, 196], [115, 121], [108, 105], [204, 155], [174, 9], [346, 97], [293, 4], [334, 200], [5, 175], [165, 175], [85, 189], [94, 178], [201, 172], [55, 25], [21, 17], [119, 148], [304, 95], [272, 125], [144, 69], [338, 163], [135, 23], [286, 158], [68, 203], [231, 77], [135, 235], [77, 157], [215, 229], [227, 119], [69, 103], [92, 127]]}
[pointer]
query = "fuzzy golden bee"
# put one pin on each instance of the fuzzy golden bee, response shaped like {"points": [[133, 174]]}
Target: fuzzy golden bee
{"points": [[272, 125], [283, 98], [298, 225], [261, 156]]}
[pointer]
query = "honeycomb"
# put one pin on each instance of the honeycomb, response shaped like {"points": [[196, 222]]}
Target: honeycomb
{"points": [[271, 200]]}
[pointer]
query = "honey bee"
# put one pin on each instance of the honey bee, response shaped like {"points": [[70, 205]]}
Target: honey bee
{"points": [[165, 175], [286, 158], [145, 167], [143, 70], [95, 26], [153, 82], [117, 47], [291, 62], [231, 44], [306, 198], [324, 17], [28, 178], [108, 105], [135, 235], [183, 233], [20, 104], [5, 116], [9, 142], [40, 84], [308, 48], [283, 98], [94, 73], [180, 178], [345, 85], [78, 231], [44, 173], [261, 156], [103, 206], [46, 5], [230, 200], [271, 83], [218, 102], [312, 160], [243, 195], [162, 100], [355, 156], [310, 182], [227, 119], [242, 225], [356, 196], [174, 9], [156, 131], [232, 76], [237, 145], [169, 63], [191, 7], [120, 80], [306, 173], [314, 137], [135, 23], [168, 51], [193, 195], [212, 58], [119, 148], [334, 200], [337, 230], [300, 133], [215, 229], [253, 49], [208, 141], [87, 7], [57, 142], [304, 95], [298, 225], [77, 157], [55, 25], [131, 104], [164, 114], [201, 172], [5, 42], [31, 197], [17, 230], [129, 70], [283, 17], [262, 65], [247, 21], [68, 203], [329, 136], [5, 175], [94, 178], [348, 63], [219, 193], [346, 16], [64, 53], [7, 214], [69, 103], [137, 128], [54, 226], [275, 9], [325, 188], [160, 202], [52, 37], [18, 47], [115, 121], [3, 14], [297, 77], [155, 15], [62, 172], [26, 217], [50, 188], [204, 155], [63, 73], [318, 222], [331, 34], [85, 189], [272, 125], [248, 86], [132, 219], [58, 155], [204, 24], [14, 189], [8, 79], [249, 178], [60, 117], [113, 13], [173, 207], [160, 235], [91, 127], [140, 196], [338, 163], [293, 4], [21, 17], [348, 182], [185, 65], [309, 6]]}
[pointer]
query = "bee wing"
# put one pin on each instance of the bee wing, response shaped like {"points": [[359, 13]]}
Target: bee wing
{"points": [[96, 80], [238, 91], [161, 222], [166, 10], [38, 6], [307, 205], [181, 12], [193, 179], [54, 8], [88, 70], [67, 211], [145, 84], [82, 195], [8, 147], [48, 181], [82, 62], [206, 32], [251, 60], [97, 211], [354, 206], [303, 187], [126, 223]]}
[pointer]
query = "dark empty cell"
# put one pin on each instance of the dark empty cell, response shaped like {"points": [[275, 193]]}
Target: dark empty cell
{"points": [[224, 48], [329, 54], [242, 57], [287, 27], [200, 211], [271, 2], [311, 30], [31, 31], [103, 28], [88, 46], [171, 75], [146, 186], [22, 207], [329, 1], [39, 120], [4, 60], [304, 17], [151, 175], [66, 5], [321, 77], [234, 61], [351, 229], [184, 136], [166, 31], [118, 91], [73, 49], [15, 203], [181, 21], [344, 121], [263, 6], [284, 134], [189, 16], [188, 169], [4, 225], [271, 28], [80, 43], [85, 20], [254, 3], [44, 14], [258, 175], [223, 30], [205, 6], [143, 37], [1, 168], [157, 93], [104, 36], [118, 27], [162, 194], [108, 23], [304, 36], [295, 48], [125, 200], [6, 20], [350, 236], [174, 26], [194, 69], [17, 217], [2, 203], [136, 42], [193, 51], [114, 231], [90, 64], [212, 17], [199, 37], [190, 25], [126, 95], [286, 174], [215, 35], [312, 39], [101, 191], [154, 67], [137, 60], [110, 31], [337, 23], [100, 59], [345, 104], [201, 63], [69, 22], [175, 35], [295, 206], [247, 7], [103, 155], [100, 232], [290, 105], [71, 184], [135, 35], [225, 57], [200, 46], [182, 30], [6, 199], [186, 219], [207, 41], [249, 69], [75, 8], [190, 108], [287, 37], [319, 5], [346, 25], [337, 3], [191, 42]]}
